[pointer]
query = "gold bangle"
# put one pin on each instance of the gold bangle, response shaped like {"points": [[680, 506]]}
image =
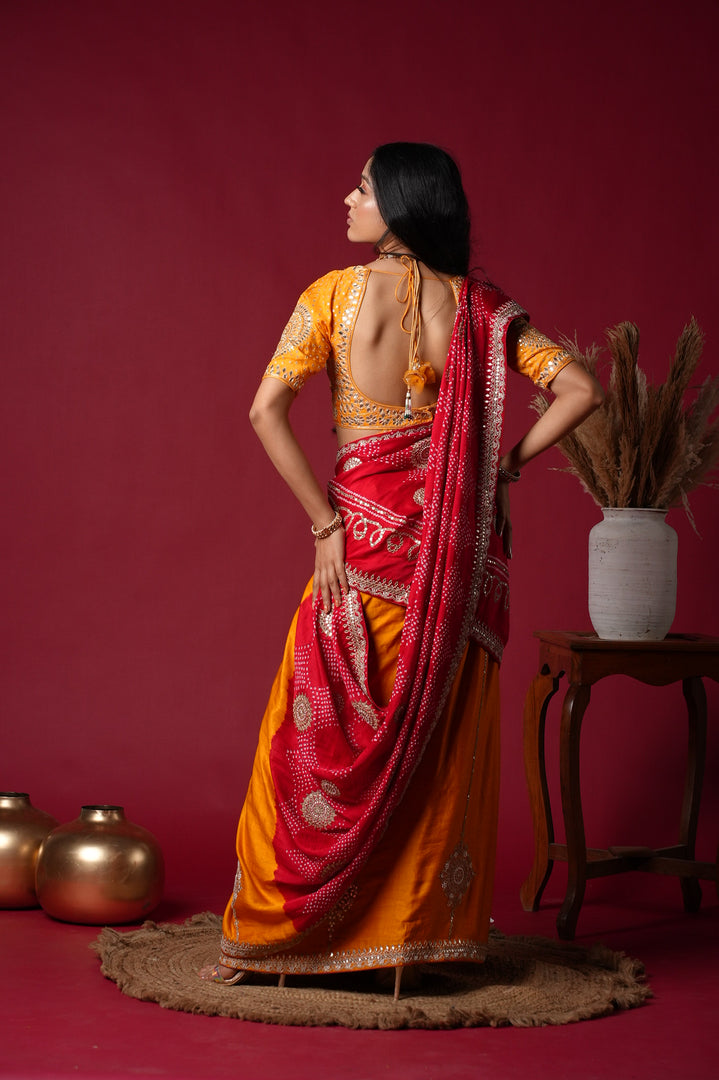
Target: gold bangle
{"points": [[334, 525], [507, 477]]}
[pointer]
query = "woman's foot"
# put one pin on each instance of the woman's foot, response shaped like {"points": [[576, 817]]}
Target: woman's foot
{"points": [[220, 973]]}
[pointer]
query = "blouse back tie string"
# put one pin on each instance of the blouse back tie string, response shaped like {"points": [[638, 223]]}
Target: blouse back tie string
{"points": [[408, 292]]}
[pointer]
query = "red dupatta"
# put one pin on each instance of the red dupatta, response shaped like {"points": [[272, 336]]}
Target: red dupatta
{"points": [[340, 762]]}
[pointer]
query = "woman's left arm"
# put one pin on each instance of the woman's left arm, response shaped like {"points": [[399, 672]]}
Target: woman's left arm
{"points": [[576, 396]]}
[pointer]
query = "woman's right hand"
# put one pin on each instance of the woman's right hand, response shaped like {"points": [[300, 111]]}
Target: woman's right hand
{"points": [[330, 579]]}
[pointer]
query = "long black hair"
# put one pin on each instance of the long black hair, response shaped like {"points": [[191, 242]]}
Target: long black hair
{"points": [[419, 194]]}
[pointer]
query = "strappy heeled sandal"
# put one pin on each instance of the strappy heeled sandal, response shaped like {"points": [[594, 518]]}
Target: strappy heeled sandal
{"points": [[213, 975]]}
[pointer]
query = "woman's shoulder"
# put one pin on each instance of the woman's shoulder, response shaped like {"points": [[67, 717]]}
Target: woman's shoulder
{"points": [[334, 278], [332, 287]]}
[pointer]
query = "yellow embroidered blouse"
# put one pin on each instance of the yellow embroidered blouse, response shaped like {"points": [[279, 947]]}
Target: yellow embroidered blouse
{"points": [[319, 335]]}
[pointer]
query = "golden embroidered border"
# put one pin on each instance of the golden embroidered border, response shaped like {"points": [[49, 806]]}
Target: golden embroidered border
{"points": [[482, 635], [427, 952], [368, 440], [487, 479], [384, 588]]}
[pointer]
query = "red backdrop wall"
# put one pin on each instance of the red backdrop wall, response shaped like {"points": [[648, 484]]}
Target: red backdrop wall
{"points": [[173, 178]]}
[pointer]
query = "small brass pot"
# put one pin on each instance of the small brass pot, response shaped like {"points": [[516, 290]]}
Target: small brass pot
{"points": [[100, 869], [22, 830]]}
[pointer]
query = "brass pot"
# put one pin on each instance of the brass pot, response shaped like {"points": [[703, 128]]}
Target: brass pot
{"points": [[22, 830], [100, 869]]}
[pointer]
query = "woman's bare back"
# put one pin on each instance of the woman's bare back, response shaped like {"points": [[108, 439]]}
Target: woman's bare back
{"points": [[378, 352]]}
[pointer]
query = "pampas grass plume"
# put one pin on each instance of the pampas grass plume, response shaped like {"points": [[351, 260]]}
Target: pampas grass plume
{"points": [[648, 446]]}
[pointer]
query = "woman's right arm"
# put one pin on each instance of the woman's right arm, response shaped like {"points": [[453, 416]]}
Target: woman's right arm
{"points": [[269, 416]]}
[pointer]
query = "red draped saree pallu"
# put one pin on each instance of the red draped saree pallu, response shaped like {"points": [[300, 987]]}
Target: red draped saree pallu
{"points": [[367, 838]]}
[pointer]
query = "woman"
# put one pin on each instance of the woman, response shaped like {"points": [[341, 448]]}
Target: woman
{"points": [[367, 839]]}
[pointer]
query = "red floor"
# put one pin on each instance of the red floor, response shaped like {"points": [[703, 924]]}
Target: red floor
{"points": [[62, 1019]]}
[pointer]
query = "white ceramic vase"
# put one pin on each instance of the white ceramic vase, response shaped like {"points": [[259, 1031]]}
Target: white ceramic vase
{"points": [[632, 575]]}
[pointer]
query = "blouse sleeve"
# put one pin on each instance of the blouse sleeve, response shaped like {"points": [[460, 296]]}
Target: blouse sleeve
{"points": [[304, 347], [536, 356]]}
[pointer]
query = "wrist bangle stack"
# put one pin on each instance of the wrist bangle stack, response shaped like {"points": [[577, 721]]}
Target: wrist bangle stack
{"points": [[334, 525], [507, 477]]}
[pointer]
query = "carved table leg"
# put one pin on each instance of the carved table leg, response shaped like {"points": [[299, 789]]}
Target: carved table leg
{"points": [[575, 703], [696, 700], [540, 693]]}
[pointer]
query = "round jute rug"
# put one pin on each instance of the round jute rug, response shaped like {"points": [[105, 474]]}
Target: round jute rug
{"points": [[525, 982]]}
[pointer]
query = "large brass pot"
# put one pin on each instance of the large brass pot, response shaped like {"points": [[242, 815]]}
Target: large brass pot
{"points": [[22, 830], [100, 869]]}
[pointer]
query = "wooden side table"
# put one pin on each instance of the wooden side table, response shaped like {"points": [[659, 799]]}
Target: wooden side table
{"points": [[584, 659]]}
